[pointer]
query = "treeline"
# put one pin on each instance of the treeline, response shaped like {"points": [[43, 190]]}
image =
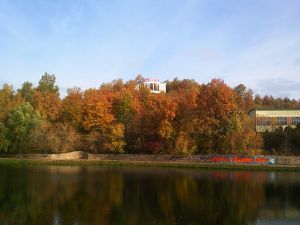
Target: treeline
{"points": [[116, 118]]}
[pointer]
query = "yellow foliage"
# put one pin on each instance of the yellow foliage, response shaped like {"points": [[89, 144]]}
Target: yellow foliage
{"points": [[184, 145]]}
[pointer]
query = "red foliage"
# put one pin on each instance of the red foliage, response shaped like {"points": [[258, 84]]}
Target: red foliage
{"points": [[262, 160], [242, 159], [220, 159]]}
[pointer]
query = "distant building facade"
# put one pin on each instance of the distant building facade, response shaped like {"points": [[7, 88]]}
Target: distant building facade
{"points": [[153, 84], [270, 119]]}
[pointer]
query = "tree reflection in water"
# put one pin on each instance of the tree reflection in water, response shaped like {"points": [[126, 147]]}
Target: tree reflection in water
{"points": [[132, 196]]}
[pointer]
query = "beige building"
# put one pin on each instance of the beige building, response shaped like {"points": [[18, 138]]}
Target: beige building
{"points": [[270, 119]]}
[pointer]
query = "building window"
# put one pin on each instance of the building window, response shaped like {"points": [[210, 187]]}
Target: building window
{"points": [[263, 121], [295, 121], [151, 86], [281, 121]]}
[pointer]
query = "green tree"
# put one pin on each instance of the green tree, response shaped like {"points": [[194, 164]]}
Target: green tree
{"points": [[295, 139], [274, 141], [26, 91], [4, 142], [124, 107], [20, 122], [47, 84]]}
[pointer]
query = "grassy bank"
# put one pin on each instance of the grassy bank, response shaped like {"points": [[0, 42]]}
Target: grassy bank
{"points": [[215, 166]]}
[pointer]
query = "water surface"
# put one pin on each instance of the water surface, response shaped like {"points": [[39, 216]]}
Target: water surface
{"points": [[61, 195]]}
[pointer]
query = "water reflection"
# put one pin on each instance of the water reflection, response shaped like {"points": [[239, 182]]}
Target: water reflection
{"points": [[120, 196]]}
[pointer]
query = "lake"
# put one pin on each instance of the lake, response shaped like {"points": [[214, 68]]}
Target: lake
{"points": [[73, 195]]}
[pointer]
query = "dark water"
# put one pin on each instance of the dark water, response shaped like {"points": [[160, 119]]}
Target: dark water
{"points": [[41, 195]]}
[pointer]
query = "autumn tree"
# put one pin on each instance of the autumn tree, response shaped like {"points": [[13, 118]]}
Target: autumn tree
{"points": [[245, 139], [46, 98], [185, 95], [244, 97], [98, 119], [52, 138], [126, 108], [48, 104], [118, 116], [97, 110], [72, 108], [267, 100], [8, 100], [177, 85], [155, 122], [257, 101], [217, 115]]}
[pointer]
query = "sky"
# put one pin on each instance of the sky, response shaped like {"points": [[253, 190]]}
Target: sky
{"points": [[88, 42]]}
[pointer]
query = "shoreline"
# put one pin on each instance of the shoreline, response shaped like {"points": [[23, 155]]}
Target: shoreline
{"points": [[159, 164]]}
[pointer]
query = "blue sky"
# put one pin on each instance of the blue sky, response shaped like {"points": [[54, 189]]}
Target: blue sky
{"points": [[86, 43]]}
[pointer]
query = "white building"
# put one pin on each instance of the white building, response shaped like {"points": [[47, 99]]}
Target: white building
{"points": [[270, 119], [154, 85]]}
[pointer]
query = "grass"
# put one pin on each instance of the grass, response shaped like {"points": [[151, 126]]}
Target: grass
{"points": [[215, 166]]}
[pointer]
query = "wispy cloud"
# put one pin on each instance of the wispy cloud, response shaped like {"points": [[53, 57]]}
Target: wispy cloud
{"points": [[67, 19], [280, 86], [273, 59]]}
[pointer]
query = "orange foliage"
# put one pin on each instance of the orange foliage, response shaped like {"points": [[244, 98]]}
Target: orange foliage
{"points": [[157, 119], [48, 104], [72, 108], [215, 104], [97, 110]]}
